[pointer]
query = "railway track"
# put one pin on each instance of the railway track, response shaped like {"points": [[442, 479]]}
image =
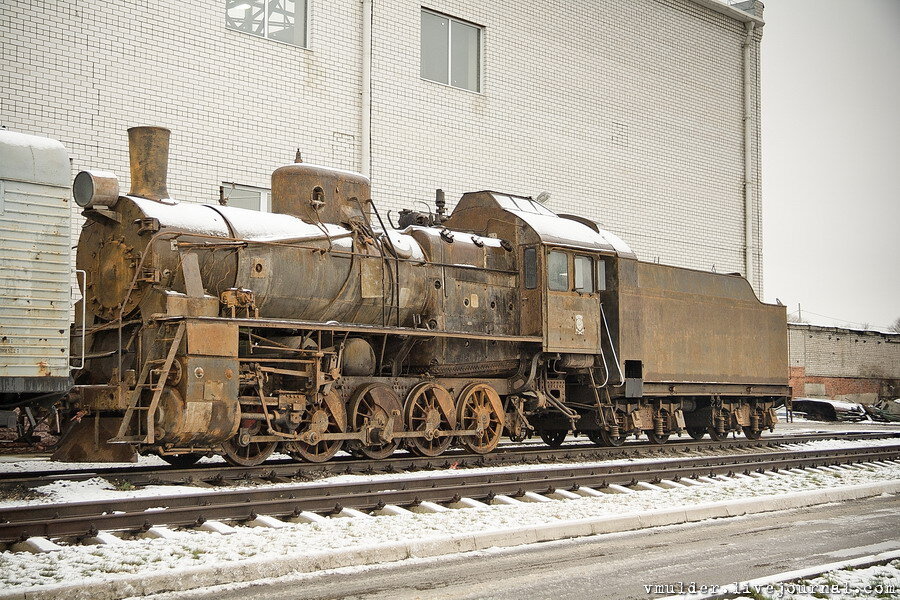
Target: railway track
{"points": [[85, 519], [280, 471]]}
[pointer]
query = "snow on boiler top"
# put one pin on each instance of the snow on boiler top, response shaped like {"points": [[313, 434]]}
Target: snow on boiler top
{"points": [[221, 221]]}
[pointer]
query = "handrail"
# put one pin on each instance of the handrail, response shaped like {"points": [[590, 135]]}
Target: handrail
{"points": [[612, 348], [83, 319]]}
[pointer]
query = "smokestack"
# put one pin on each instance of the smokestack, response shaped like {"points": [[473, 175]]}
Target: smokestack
{"points": [[148, 148]]}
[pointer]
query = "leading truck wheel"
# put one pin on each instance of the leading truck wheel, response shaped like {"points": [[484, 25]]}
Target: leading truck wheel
{"points": [[479, 407]]}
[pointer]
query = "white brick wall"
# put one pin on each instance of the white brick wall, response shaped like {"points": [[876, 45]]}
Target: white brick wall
{"points": [[626, 112], [835, 352]]}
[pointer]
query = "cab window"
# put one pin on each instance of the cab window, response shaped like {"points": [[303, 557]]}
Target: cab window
{"points": [[558, 271], [601, 275], [583, 274]]}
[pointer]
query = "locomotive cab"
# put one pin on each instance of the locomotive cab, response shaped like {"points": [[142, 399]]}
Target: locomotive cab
{"points": [[563, 265]]}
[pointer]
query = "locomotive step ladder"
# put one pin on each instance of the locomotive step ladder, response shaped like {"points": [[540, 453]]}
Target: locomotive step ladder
{"points": [[140, 412]]}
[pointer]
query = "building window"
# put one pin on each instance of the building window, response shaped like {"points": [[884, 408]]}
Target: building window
{"points": [[282, 20], [450, 51], [244, 196]]}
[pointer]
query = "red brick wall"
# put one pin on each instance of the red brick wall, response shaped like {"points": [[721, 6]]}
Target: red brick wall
{"points": [[834, 386]]}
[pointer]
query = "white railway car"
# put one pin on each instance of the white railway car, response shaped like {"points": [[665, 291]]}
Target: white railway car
{"points": [[35, 272]]}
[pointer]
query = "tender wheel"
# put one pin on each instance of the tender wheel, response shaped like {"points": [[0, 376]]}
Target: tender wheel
{"points": [[716, 435], [553, 438], [246, 455], [696, 432], [377, 407], [181, 460], [429, 408], [329, 416], [479, 407], [607, 439], [752, 434], [595, 437], [656, 438]]}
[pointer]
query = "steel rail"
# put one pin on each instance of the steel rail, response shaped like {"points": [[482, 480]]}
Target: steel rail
{"points": [[510, 454], [84, 519]]}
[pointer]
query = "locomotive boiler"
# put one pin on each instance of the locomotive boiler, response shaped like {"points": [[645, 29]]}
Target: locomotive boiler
{"points": [[320, 326]]}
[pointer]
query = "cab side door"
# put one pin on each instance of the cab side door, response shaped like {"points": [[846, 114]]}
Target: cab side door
{"points": [[572, 321]]}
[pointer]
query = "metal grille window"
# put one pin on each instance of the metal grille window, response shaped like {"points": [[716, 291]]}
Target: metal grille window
{"points": [[244, 196], [450, 51], [282, 20]]}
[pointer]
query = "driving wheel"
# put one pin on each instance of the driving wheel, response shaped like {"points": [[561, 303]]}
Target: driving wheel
{"points": [[479, 408], [328, 416], [376, 407], [429, 409]]}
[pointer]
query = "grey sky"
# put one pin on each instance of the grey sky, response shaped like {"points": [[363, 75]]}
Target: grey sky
{"points": [[831, 164]]}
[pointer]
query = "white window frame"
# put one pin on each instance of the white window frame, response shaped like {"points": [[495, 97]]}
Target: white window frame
{"points": [[265, 33], [265, 194], [479, 60]]}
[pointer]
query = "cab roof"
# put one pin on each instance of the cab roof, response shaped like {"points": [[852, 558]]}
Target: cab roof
{"points": [[552, 229]]}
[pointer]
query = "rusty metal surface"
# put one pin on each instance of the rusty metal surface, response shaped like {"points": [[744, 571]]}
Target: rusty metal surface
{"points": [[365, 329], [319, 194], [212, 338], [85, 441], [149, 157], [699, 327], [95, 188], [572, 322]]}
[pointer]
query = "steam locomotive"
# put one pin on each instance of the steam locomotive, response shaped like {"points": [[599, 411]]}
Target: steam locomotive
{"points": [[321, 327]]}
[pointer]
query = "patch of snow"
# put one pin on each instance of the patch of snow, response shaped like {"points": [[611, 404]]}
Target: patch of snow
{"points": [[188, 548], [877, 581]]}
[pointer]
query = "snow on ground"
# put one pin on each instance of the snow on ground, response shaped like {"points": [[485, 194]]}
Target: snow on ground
{"points": [[21, 464], [879, 581], [98, 488], [189, 548]]}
